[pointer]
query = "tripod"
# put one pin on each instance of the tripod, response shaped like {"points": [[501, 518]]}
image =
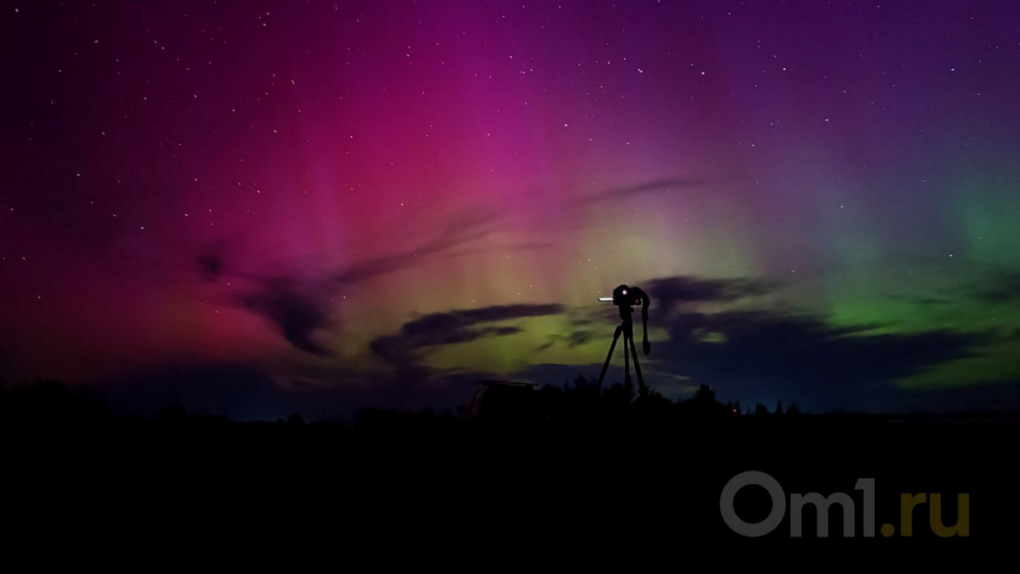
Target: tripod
{"points": [[625, 297]]}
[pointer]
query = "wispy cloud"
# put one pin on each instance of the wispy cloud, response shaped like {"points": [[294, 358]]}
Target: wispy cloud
{"points": [[509, 248], [663, 185], [465, 227]]}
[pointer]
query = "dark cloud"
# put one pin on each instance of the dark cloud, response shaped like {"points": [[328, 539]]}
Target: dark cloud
{"points": [[437, 322], [670, 291], [801, 357], [802, 347], [1000, 289], [578, 338], [211, 263], [450, 328], [574, 339], [209, 267], [296, 316]]}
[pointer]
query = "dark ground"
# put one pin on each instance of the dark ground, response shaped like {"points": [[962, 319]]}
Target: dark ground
{"points": [[575, 494]]}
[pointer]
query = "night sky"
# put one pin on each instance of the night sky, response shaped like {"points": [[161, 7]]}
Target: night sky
{"points": [[257, 207]]}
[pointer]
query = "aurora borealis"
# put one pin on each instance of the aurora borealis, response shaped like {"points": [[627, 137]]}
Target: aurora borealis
{"points": [[272, 205]]}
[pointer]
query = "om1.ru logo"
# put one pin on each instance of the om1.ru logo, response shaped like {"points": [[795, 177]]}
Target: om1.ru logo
{"points": [[797, 501]]}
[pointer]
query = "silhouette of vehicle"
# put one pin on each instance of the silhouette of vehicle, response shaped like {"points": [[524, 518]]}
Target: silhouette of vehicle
{"points": [[504, 402]]}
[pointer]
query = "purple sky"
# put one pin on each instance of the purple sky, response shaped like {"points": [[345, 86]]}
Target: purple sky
{"points": [[273, 205]]}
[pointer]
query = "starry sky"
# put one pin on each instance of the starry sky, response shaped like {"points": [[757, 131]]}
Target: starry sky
{"points": [[257, 206]]}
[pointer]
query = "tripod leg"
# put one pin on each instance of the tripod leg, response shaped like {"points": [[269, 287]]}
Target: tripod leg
{"points": [[609, 357], [627, 384], [626, 361], [637, 368]]}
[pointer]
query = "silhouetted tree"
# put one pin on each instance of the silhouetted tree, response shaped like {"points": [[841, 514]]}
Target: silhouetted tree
{"points": [[295, 419], [703, 406], [761, 410], [779, 407], [793, 410], [705, 394], [582, 384]]}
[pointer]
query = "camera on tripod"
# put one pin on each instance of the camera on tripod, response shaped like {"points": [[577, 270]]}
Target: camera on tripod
{"points": [[624, 295]]}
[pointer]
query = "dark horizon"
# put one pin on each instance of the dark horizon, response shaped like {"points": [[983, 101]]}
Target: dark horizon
{"points": [[97, 400], [577, 462]]}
